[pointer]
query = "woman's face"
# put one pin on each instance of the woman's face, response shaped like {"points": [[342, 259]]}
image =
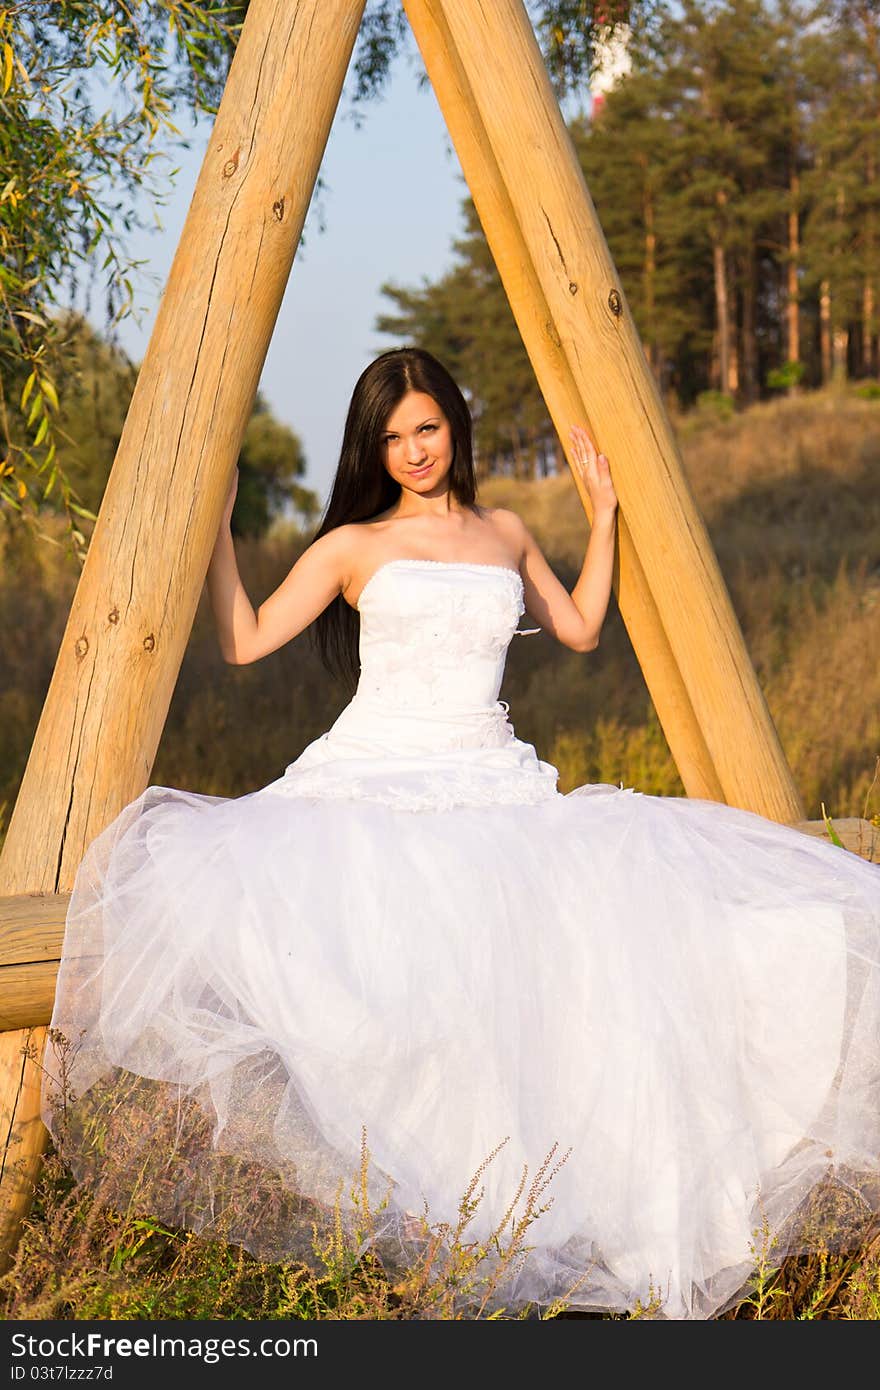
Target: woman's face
{"points": [[417, 444]]}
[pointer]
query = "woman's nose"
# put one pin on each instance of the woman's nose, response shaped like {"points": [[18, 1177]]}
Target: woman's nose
{"points": [[415, 450]]}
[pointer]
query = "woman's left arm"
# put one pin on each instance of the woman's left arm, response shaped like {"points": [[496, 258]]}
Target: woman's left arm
{"points": [[592, 591], [576, 618]]}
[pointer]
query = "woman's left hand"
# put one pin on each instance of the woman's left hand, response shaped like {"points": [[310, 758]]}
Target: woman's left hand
{"points": [[594, 469]]}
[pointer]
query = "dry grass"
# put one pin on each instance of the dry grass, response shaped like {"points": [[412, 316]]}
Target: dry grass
{"points": [[81, 1258], [93, 1249]]}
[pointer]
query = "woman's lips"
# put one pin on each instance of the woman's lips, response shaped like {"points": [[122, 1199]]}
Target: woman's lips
{"points": [[420, 472]]}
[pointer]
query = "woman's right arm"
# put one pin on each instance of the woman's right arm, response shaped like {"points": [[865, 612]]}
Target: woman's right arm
{"points": [[318, 576]]}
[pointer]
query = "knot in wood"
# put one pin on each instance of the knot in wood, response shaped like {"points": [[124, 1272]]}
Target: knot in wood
{"points": [[81, 646], [113, 615], [231, 165], [149, 642], [615, 303], [572, 287], [278, 208]]}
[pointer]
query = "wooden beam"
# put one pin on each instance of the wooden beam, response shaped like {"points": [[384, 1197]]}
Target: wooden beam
{"points": [[31, 939], [32, 927], [27, 994], [565, 403], [134, 606], [520, 124]]}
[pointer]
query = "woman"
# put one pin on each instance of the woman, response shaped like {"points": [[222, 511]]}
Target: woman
{"points": [[651, 1027]]}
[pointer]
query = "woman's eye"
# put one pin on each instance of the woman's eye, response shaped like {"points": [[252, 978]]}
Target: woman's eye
{"points": [[429, 427]]}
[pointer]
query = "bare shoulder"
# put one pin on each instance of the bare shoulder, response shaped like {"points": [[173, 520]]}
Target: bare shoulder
{"points": [[503, 518], [356, 551], [510, 528], [341, 547]]}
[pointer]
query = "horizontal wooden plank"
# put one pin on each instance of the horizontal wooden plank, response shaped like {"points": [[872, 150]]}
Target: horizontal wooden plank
{"points": [[32, 927], [27, 993]]}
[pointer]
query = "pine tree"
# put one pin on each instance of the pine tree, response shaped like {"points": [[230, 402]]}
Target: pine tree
{"points": [[842, 258]]}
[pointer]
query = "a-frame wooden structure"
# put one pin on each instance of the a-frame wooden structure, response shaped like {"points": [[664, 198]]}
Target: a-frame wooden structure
{"points": [[133, 610]]}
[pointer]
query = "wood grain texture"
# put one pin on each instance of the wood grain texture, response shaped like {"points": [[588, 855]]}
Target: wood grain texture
{"points": [[27, 994], [23, 1132], [521, 125], [134, 606], [32, 927], [31, 940], [564, 402]]}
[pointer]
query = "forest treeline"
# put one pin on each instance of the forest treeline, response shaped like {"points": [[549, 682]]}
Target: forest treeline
{"points": [[734, 173], [790, 490], [733, 168]]}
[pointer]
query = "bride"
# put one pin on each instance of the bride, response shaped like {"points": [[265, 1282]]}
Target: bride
{"points": [[642, 1033]]}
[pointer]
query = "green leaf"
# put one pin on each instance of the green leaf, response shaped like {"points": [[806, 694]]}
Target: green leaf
{"points": [[42, 431], [8, 494], [28, 387]]}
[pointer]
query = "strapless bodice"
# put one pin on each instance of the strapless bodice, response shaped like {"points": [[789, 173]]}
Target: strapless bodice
{"points": [[434, 637]]}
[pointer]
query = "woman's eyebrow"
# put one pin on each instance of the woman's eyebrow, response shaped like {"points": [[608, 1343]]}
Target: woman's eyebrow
{"points": [[432, 420]]}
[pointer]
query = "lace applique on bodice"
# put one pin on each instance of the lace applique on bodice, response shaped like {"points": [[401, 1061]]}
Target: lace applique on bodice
{"points": [[425, 727], [440, 641]]}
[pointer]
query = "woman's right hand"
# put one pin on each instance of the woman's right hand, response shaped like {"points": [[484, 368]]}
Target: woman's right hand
{"points": [[230, 500]]}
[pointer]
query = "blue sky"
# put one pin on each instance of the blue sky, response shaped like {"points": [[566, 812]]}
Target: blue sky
{"points": [[392, 207]]}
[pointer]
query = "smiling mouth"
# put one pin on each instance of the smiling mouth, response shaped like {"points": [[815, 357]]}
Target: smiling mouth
{"points": [[416, 472]]}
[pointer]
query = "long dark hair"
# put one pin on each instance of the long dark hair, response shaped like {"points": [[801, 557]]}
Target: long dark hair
{"points": [[362, 487]]}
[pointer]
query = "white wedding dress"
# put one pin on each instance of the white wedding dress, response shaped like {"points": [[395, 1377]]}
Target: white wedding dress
{"points": [[412, 936]]}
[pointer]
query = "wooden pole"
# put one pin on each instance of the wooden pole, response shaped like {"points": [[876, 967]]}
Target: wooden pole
{"points": [[134, 606], [564, 402], [520, 124]]}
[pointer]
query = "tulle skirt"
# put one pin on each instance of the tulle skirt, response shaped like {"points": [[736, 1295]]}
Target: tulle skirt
{"points": [[622, 1047]]}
